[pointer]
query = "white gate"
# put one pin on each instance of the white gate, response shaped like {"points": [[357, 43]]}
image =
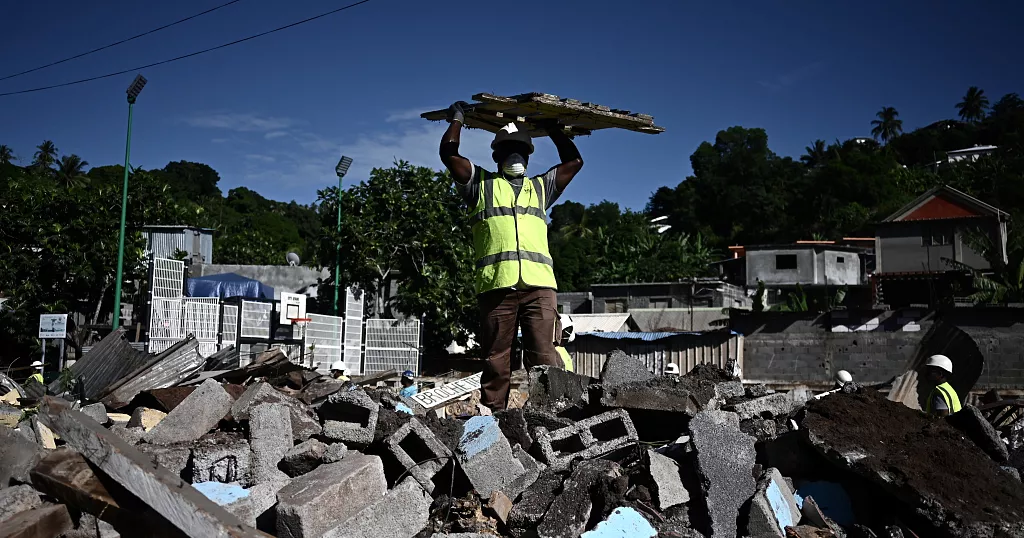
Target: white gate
{"points": [[256, 319], [229, 326], [392, 344], [200, 319], [165, 304], [353, 329], [324, 343]]}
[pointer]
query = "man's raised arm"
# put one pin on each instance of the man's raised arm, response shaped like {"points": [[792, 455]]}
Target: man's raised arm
{"points": [[572, 162], [459, 166]]}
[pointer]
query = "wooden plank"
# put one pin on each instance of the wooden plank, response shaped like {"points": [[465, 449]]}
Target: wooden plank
{"points": [[43, 522], [176, 500]]}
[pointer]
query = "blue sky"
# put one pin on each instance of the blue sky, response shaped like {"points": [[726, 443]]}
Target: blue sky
{"points": [[274, 114]]}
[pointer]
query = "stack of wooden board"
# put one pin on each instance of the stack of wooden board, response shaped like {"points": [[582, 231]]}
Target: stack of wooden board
{"points": [[534, 110]]}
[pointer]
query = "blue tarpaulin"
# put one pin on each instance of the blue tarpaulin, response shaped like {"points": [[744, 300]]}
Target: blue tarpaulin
{"points": [[228, 285]]}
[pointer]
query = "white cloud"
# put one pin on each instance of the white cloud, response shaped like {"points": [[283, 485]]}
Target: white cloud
{"points": [[219, 140], [241, 122], [275, 134], [408, 114], [261, 158]]}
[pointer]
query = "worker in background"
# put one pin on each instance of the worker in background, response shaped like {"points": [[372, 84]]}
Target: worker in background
{"points": [[843, 383], [408, 385], [566, 335], [338, 371], [515, 279], [943, 400], [671, 369], [38, 375]]}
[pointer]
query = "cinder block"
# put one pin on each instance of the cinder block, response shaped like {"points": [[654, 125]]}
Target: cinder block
{"points": [[419, 452], [222, 458], [96, 411], [195, 415], [329, 496], [533, 469], [145, 418], [585, 439], [270, 439], [668, 483], [773, 405], [263, 501], [402, 513], [486, 457], [303, 458], [350, 416], [304, 423], [17, 499], [174, 458], [725, 460]]}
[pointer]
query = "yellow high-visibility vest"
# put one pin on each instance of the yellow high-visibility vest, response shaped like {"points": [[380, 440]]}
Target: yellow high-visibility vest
{"points": [[948, 395], [566, 359], [37, 376], [510, 235]]}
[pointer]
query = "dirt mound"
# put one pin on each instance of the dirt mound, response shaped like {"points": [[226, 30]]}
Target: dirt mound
{"points": [[908, 452], [710, 372]]}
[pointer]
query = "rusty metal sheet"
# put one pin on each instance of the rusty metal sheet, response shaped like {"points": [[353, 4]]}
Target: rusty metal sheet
{"points": [[177, 363], [492, 112], [105, 364]]}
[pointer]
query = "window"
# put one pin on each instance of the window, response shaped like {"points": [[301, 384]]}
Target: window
{"points": [[617, 306], [936, 239], [785, 261], [840, 259], [661, 302]]}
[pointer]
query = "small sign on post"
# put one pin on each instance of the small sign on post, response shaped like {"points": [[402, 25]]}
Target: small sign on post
{"points": [[53, 326]]}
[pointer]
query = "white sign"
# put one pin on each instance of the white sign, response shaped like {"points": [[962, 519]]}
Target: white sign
{"points": [[435, 397], [53, 326], [293, 306]]}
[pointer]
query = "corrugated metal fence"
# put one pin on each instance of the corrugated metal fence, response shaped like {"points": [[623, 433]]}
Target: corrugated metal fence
{"points": [[656, 350]]}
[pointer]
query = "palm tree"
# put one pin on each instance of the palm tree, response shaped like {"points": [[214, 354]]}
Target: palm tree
{"points": [[45, 157], [1004, 281], [887, 126], [6, 154], [816, 154], [972, 108], [71, 171], [1006, 104]]}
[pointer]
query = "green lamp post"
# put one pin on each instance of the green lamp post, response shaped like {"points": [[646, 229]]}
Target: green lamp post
{"points": [[133, 93], [341, 169]]}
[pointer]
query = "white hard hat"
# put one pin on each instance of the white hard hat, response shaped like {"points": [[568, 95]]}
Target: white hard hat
{"points": [[37, 363], [337, 365], [940, 361], [843, 377], [671, 369], [568, 332]]}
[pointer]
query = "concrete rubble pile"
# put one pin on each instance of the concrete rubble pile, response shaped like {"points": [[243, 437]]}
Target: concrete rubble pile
{"points": [[288, 453]]}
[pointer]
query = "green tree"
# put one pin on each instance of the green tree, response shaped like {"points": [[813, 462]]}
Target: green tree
{"points": [[6, 154], [45, 157], [888, 124], [70, 171], [1004, 281], [816, 154], [972, 107]]}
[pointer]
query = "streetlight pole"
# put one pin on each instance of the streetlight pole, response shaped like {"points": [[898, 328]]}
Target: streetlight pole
{"points": [[341, 170], [133, 93]]}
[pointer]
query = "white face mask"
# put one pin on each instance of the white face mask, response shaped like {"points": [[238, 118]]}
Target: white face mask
{"points": [[515, 165]]}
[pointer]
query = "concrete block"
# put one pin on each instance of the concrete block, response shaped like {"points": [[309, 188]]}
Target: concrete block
{"points": [[533, 469], [18, 456], [973, 424], [513, 425], [585, 439], [762, 429], [499, 506], [624, 522], [419, 452], [263, 503], [486, 457], [554, 389], [569, 513], [729, 389], [270, 439], [534, 502], [51, 520], [665, 394], [334, 452], [175, 459], [145, 418], [329, 496], [196, 415], [773, 405], [222, 458], [402, 513], [132, 436], [233, 497], [350, 416], [668, 489], [17, 499], [97, 412], [621, 369], [304, 422], [303, 458], [44, 436], [725, 459], [773, 507]]}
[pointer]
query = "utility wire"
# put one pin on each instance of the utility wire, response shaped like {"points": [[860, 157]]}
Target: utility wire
{"points": [[153, 31], [182, 57]]}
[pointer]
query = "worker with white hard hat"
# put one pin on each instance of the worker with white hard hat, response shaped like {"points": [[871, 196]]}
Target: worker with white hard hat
{"points": [[38, 375], [943, 400], [843, 377], [562, 337], [338, 371], [671, 369], [844, 383]]}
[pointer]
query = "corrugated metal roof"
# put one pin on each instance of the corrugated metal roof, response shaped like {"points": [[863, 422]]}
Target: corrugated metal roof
{"points": [[585, 323], [106, 362], [647, 337], [178, 362], [678, 319]]}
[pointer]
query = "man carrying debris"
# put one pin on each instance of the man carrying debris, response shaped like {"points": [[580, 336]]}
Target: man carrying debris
{"points": [[943, 400], [515, 279]]}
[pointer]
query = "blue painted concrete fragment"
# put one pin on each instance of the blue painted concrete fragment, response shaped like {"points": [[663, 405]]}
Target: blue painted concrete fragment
{"points": [[622, 523], [401, 407], [783, 514], [479, 434], [222, 494]]}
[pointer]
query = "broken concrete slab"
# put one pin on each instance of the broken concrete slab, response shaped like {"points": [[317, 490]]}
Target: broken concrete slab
{"points": [[303, 458], [263, 503], [664, 394], [90, 527], [499, 506], [270, 439], [18, 456], [623, 522], [175, 500], [978, 429], [770, 406], [534, 502], [513, 425], [419, 452], [335, 452], [401, 513], [44, 436], [96, 411], [725, 459], [17, 499], [45, 521], [350, 416], [486, 457], [773, 507], [233, 497], [195, 415], [222, 457], [175, 459], [132, 436], [763, 429], [304, 422], [727, 390], [533, 469], [569, 513], [667, 483], [585, 439], [329, 496], [555, 390], [145, 418], [621, 369]]}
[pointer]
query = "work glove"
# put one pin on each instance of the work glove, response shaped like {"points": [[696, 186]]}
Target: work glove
{"points": [[457, 112]]}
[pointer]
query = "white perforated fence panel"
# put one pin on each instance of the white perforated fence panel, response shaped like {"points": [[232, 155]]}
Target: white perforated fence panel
{"points": [[392, 344], [229, 325], [164, 324], [353, 329], [256, 319], [168, 278], [324, 343], [200, 318]]}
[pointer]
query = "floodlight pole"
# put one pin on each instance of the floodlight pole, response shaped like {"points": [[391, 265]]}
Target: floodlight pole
{"points": [[341, 170], [133, 93]]}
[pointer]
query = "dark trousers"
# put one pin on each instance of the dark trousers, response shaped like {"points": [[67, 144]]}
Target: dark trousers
{"points": [[534, 309]]}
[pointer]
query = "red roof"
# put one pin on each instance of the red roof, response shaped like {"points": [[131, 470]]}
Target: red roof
{"points": [[940, 207]]}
